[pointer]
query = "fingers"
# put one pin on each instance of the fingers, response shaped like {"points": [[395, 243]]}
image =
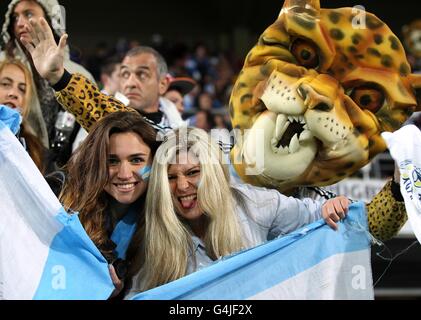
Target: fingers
{"points": [[339, 210], [37, 28], [334, 210], [30, 29], [345, 202], [45, 30], [39, 31], [331, 223], [117, 282], [330, 211], [28, 45], [63, 41]]}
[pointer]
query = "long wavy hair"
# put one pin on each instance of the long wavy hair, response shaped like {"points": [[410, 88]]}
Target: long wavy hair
{"points": [[168, 237], [33, 144], [87, 174]]}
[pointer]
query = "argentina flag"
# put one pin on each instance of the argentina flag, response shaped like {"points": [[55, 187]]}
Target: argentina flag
{"points": [[44, 252], [314, 262]]}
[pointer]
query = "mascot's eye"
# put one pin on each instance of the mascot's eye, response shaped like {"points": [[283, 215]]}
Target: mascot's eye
{"points": [[368, 98], [306, 53]]}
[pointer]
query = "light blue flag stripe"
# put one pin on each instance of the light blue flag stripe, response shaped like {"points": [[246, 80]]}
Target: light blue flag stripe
{"points": [[251, 272], [75, 269], [10, 119]]}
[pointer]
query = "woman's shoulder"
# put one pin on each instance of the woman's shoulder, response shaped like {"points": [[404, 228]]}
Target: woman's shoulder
{"points": [[255, 193]]}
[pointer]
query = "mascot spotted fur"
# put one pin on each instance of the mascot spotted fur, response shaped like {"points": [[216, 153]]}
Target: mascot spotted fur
{"points": [[322, 84]]}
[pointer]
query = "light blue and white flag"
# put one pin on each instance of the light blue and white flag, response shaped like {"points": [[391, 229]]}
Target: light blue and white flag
{"points": [[405, 147], [314, 262], [44, 252]]}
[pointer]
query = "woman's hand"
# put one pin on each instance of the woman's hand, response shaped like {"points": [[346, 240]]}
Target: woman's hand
{"points": [[334, 210], [48, 57], [118, 284]]}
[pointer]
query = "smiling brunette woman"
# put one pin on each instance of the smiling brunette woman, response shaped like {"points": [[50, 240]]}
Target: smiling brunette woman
{"points": [[106, 183]]}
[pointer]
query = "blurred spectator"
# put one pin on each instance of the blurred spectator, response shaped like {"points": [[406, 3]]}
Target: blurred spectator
{"points": [[143, 81], [177, 89], [190, 100], [199, 65], [110, 79], [224, 81], [45, 110], [205, 120], [95, 61], [177, 60], [205, 101], [220, 122]]}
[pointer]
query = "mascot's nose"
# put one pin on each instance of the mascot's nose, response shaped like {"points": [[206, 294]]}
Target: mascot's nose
{"points": [[313, 99]]}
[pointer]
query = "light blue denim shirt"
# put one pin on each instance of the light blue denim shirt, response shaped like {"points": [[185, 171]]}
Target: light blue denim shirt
{"points": [[269, 214]]}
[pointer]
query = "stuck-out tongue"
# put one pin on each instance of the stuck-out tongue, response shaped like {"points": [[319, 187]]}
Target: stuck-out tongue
{"points": [[188, 204]]}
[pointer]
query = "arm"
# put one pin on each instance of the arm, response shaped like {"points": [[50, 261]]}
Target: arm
{"points": [[75, 93], [301, 212], [281, 214], [386, 212], [83, 99]]}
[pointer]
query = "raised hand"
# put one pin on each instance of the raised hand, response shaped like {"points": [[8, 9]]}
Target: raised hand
{"points": [[48, 57]]}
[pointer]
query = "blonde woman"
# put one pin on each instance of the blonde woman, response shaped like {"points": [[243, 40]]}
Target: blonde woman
{"points": [[15, 92], [195, 216]]}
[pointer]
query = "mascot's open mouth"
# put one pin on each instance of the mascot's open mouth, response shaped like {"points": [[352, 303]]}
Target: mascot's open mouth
{"points": [[289, 132], [285, 150]]}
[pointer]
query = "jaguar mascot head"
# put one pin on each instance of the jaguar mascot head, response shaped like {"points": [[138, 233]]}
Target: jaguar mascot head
{"points": [[319, 87]]}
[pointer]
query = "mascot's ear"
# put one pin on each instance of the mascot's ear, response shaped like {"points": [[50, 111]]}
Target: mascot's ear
{"points": [[310, 7], [415, 80]]}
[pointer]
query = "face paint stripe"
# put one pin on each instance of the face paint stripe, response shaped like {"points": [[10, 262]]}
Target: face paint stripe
{"points": [[144, 173]]}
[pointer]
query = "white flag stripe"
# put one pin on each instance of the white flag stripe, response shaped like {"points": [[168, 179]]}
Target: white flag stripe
{"points": [[27, 228], [45, 253], [321, 282]]}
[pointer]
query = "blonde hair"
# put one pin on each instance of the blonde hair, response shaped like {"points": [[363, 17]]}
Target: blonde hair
{"points": [[28, 79], [168, 238], [33, 144]]}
